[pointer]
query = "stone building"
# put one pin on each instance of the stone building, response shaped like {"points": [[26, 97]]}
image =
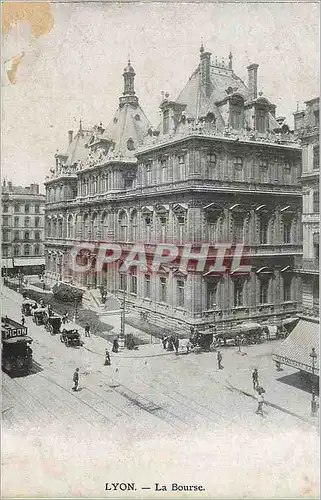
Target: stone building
{"points": [[22, 245], [306, 124], [221, 167]]}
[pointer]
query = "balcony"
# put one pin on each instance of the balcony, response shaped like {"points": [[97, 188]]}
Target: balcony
{"points": [[276, 249], [309, 266], [201, 129]]}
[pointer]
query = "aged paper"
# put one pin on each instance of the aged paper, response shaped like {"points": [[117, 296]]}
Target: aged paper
{"points": [[160, 239]]}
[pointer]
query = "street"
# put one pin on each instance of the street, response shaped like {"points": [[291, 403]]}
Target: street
{"points": [[150, 407]]}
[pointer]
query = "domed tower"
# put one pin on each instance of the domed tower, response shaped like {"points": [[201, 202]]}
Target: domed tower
{"points": [[129, 96]]}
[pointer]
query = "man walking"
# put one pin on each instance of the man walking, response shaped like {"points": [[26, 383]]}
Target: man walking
{"points": [[219, 360], [76, 380], [176, 343], [260, 403], [255, 378], [87, 330]]}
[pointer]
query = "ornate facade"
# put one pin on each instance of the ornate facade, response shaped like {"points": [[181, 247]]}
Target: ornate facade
{"points": [[219, 168], [306, 125]]}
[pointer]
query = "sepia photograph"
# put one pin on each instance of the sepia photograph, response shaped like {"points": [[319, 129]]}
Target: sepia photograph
{"points": [[160, 172]]}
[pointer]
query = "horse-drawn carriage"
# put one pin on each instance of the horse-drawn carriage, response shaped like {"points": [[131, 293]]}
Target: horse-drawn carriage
{"points": [[40, 316], [53, 324], [27, 307], [71, 338], [244, 334]]}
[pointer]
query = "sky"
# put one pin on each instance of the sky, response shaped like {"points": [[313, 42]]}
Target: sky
{"points": [[75, 70]]}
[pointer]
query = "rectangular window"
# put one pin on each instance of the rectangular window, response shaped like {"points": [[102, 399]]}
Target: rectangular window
{"points": [[5, 235], [133, 282], [148, 171], [264, 225], [163, 224], [182, 167], [147, 286], [236, 118], [238, 293], [37, 250], [316, 201], [27, 222], [37, 235], [5, 209], [37, 209], [5, 251], [164, 171], [16, 235], [27, 249], [287, 231], [238, 225], [16, 222], [264, 291], [27, 236], [166, 121], [17, 208], [5, 220], [123, 282], [163, 289], [180, 293], [238, 169], [316, 158], [287, 296], [211, 291], [260, 121], [37, 221], [316, 118], [264, 170], [16, 251], [27, 209]]}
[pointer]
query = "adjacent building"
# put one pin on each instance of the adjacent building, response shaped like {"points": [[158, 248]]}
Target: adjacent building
{"points": [[220, 167], [22, 244]]}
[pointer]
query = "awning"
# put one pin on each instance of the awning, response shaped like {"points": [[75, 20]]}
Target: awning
{"points": [[38, 261], [247, 327], [295, 350], [17, 340], [288, 321]]}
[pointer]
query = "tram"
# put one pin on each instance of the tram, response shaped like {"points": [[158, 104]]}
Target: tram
{"points": [[16, 351]]}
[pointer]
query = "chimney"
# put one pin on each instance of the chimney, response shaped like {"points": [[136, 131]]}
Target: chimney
{"points": [[205, 71], [34, 188], [252, 74], [70, 136]]}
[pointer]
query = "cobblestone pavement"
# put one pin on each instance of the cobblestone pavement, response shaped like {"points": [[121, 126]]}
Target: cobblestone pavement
{"points": [[178, 417]]}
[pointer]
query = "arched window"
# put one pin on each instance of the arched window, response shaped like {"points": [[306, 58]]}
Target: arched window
{"points": [[134, 226], [70, 226], [49, 228], [104, 224], [54, 229], [86, 227], [27, 209], [37, 236], [60, 228], [123, 226], [16, 251], [37, 209], [94, 227], [26, 249], [37, 249]]}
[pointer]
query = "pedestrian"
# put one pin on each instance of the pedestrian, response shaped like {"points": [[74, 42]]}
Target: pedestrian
{"points": [[260, 403], [176, 343], [76, 380], [219, 360], [87, 330], [107, 358], [170, 343], [65, 317], [115, 345], [23, 320], [164, 340], [255, 378]]}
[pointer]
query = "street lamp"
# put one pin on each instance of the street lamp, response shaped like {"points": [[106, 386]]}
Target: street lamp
{"points": [[122, 322], [313, 355]]}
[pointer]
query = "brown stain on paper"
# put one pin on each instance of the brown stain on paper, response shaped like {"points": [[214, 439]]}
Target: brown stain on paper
{"points": [[37, 14]]}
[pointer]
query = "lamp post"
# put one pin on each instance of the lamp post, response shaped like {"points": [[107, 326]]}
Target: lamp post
{"points": [[122, 322], [313, 355]]}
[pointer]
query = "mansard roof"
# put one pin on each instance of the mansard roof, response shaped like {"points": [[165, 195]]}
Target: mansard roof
{"points": [[222, 81], [127, 129], [77, 150]]}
